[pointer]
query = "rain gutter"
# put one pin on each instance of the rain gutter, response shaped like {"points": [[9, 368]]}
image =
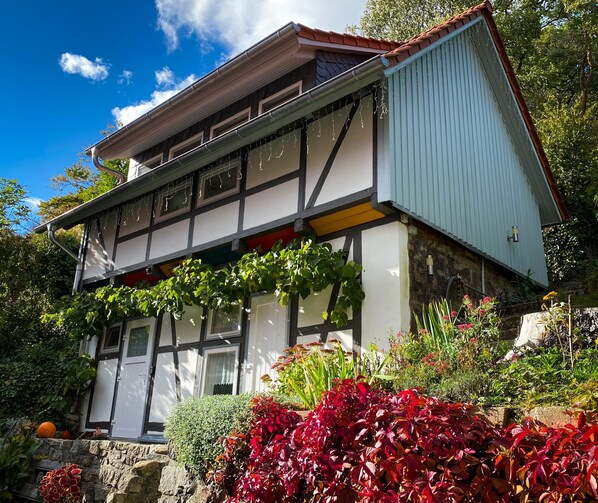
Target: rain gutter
{"points": [[350, 81]]}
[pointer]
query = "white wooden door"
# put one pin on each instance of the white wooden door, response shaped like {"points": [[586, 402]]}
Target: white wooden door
{"points": [[267, 339], [131, 395]]}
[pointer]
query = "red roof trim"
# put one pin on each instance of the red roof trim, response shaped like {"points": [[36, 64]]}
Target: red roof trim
{"points": [[415, 44], [330, 37]]}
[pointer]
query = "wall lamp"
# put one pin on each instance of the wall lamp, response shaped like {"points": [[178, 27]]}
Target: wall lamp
{"points": [[430, 265], [515, 234]]}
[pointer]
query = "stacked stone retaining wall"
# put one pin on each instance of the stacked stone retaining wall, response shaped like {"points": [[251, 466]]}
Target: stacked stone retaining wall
{"points": [[122, 472]]}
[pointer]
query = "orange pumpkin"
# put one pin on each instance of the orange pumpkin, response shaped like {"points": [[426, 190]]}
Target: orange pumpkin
{"points": [[46, 430]]}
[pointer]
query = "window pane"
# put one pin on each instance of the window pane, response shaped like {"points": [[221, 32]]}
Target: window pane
{"points": [[224, 324], [219, 373], [138, 338], [111, 339], [218, 183], [175, 200]]}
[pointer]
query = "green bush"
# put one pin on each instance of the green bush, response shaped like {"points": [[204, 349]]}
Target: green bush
{"points": [[197, 427], [15, 455]]}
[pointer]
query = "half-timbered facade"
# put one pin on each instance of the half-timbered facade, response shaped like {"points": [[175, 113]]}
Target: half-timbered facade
{"points": [[419, 159]]}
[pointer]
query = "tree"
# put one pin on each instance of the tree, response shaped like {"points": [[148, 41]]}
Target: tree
{"points": [[13, 210], [78, 184], [402, 19]]}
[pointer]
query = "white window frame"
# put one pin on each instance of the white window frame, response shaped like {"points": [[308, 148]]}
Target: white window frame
{"points": [[275, 96], [235, 165], [146, 166], [161, 217], [210, 336], [230, 120], [231, 348], [180, 147], [111, 349]]}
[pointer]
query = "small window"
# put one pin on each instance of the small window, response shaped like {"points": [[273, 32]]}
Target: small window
{"points": [[174, 202], [189, 144], [148, 165], [222, 325], [111, 340], [220, 371], [229, 124], [280, 97], [218, 182]]}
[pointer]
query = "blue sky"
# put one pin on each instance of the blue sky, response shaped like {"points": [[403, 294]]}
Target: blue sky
{"points": [[70, 68]]}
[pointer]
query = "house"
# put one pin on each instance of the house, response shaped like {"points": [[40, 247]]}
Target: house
{"points": [[419, 159]]}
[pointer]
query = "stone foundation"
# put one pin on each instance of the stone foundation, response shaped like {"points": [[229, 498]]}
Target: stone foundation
{"points": [[122, 472], [450, 259]]}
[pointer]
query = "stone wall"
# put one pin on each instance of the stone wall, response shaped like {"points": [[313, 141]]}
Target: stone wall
{"points": [[122, 472], [450, 259]]}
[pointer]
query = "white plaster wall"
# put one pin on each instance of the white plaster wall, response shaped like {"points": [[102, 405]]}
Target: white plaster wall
{"points": [[135, 216], [131, 252], [352, 169], [103, 392], [276, 158], [166, 331], [345, 337], [170, 239], [385, 280], [164, 394], [98, 257], [271, 204], [312, 307], [215, 224], [188, 361], [188, 328]]}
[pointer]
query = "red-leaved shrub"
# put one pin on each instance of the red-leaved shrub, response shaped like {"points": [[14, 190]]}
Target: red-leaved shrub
{"points": [[61, 485], [362, 444]]}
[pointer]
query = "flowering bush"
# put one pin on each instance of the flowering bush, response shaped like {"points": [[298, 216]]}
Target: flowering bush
{"points": [[61, 485], [366, 445]]}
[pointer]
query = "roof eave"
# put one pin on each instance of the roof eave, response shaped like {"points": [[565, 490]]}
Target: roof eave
{"points": [[308, 102]]}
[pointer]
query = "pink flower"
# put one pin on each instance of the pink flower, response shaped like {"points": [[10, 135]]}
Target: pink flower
{"points": [[487, 299], [454, 313], [445, 317]]}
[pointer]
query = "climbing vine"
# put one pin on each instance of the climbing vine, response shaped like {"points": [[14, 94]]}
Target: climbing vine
{"points": [[298, 269]]}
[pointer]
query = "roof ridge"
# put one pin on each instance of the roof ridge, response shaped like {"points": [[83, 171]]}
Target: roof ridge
{"points": [[414, 44]]}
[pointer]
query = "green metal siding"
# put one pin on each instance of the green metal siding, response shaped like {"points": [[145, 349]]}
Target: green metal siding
{"points": [[458, 161]]}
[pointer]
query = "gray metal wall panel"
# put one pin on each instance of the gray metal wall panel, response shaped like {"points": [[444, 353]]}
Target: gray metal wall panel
{"points": [[456, 163]]}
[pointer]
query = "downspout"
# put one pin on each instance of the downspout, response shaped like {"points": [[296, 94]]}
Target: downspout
{"points": [[95, 153], [79, 270]]}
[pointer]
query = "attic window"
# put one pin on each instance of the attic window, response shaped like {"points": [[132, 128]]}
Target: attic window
{"points": [[229, 124], [174, 201], [185, 146], [150, 164], [219, 182], [280, 97]]}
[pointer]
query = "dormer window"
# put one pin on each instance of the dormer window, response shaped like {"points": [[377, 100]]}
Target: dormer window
{"points": [[219, 182], [280, 97], [231, 123], [186, 146]]}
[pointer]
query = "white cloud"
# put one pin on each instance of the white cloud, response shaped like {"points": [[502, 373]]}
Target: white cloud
{"points": [[129, 113], [239, 24], [126, 77], [77, 64], [164, 77], [33, 202]]}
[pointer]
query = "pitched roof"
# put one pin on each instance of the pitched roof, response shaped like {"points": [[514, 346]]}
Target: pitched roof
{"points": [[345, 39]]}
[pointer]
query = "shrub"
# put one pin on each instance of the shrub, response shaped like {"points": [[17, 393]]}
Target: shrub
{"points": [[15, 456], [196, 428], [61, 485], [362, 444]]}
